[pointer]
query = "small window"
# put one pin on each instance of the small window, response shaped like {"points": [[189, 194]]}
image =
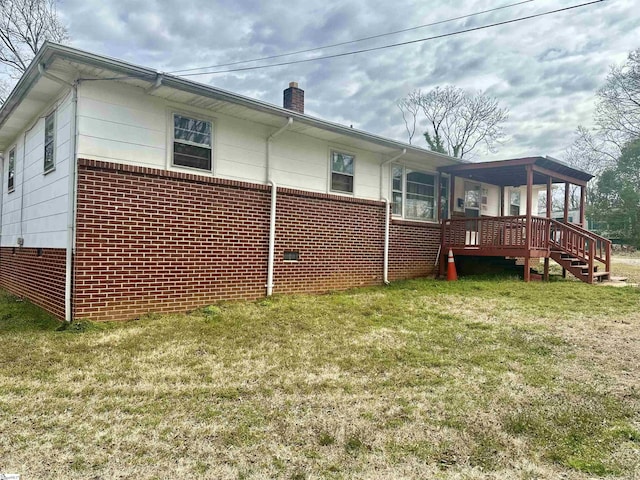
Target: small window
{"points": [[12, 171], [342, 172], [49, 143], [397, 189], [191, 142]]}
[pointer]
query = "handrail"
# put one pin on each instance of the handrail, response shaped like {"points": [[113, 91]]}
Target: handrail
{"points": [[509, 233]]}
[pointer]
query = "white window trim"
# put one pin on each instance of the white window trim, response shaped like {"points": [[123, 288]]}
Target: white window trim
{"points": [[170, 132], [479, 185], [333, 150], [403, 216], [54, 115]]}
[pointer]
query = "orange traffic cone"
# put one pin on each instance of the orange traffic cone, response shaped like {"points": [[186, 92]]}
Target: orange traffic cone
{"points": [[452, 275]]}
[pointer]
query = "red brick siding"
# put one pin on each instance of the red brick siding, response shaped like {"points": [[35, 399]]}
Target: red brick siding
{"points": [[413, 247], [41, 279], [341, 243], [156, 241], [162, 243]]}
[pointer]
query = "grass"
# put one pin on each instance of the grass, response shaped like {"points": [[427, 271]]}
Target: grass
{"points": [[482, 378]]}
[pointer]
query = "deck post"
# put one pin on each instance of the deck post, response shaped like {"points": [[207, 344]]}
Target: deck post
{"points": [[546, 269], [583, 199], [502, 200], [567, 186], [529, 206], [528, 243]]}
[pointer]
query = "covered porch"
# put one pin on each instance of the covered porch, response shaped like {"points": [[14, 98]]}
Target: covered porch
{"points": [[525, 236]]}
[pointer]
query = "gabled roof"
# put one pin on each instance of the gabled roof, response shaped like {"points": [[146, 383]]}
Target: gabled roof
{"points": [[513, 172], [34, 92]]}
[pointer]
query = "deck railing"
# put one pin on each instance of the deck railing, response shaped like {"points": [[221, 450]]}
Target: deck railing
{"points": [[496, 233], [580, 243], [513, 233]]}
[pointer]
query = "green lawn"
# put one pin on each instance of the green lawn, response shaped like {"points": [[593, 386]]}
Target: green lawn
{"points": [[482, 378]]}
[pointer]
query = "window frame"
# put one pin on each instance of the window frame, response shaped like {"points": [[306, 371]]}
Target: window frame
{"points": [[513, 191], [11, 188], [474, 186], [333, 152], [173, 140], [52, 166], [403, 208]]}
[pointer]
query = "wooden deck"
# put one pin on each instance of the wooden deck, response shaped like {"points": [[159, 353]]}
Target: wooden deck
{"points": [[573, 247]]}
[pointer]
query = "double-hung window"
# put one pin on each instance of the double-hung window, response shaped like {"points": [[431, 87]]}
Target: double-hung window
{"points": [[414, 194], [11, 171], [49, 142], [342, 168], [192, 142]]}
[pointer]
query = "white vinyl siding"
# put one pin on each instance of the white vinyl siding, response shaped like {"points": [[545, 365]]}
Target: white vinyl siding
{"points": [[37, 210]]}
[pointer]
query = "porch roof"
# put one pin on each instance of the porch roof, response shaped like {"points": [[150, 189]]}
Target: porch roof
{"points": [[513, 172]]}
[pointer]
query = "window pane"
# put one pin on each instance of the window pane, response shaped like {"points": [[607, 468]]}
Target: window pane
{"points": [[397, 203], [419, 177], [444, 198], [342, 163], [397, 179], [419, 208], [48, 156], [191, 156], [341, 182], [48, 129], [515, 197], [192, 130], [472, 196]]}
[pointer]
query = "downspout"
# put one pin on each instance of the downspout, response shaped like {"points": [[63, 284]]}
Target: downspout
{"points": [[71, 206], [387, 221], [387, 218], [272, 218]]}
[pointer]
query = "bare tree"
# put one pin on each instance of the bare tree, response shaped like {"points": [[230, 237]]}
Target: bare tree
{"points": [[457, 121], [410, 107], [24, 26], [617, 119], [618, 105]]}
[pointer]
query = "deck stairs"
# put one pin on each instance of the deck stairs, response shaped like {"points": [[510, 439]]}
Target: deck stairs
{"points": [[579, 267], [577, 250]]}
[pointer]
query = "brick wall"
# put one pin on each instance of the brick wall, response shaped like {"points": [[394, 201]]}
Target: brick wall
{"points": [[413, 247], [40, 278], [156, 241], [340, 242]]}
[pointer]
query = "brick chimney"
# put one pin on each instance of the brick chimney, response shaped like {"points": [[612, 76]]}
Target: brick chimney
{"points": [[294, 98]]}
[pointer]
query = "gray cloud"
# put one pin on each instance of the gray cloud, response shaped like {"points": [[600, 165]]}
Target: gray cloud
{"points": [[545, 71]]}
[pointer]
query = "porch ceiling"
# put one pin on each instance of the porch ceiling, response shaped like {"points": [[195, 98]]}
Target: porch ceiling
{"points": [[514, 172]]}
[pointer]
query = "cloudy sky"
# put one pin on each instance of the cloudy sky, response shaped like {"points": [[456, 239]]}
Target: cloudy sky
{"points": [[545, 70]]}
